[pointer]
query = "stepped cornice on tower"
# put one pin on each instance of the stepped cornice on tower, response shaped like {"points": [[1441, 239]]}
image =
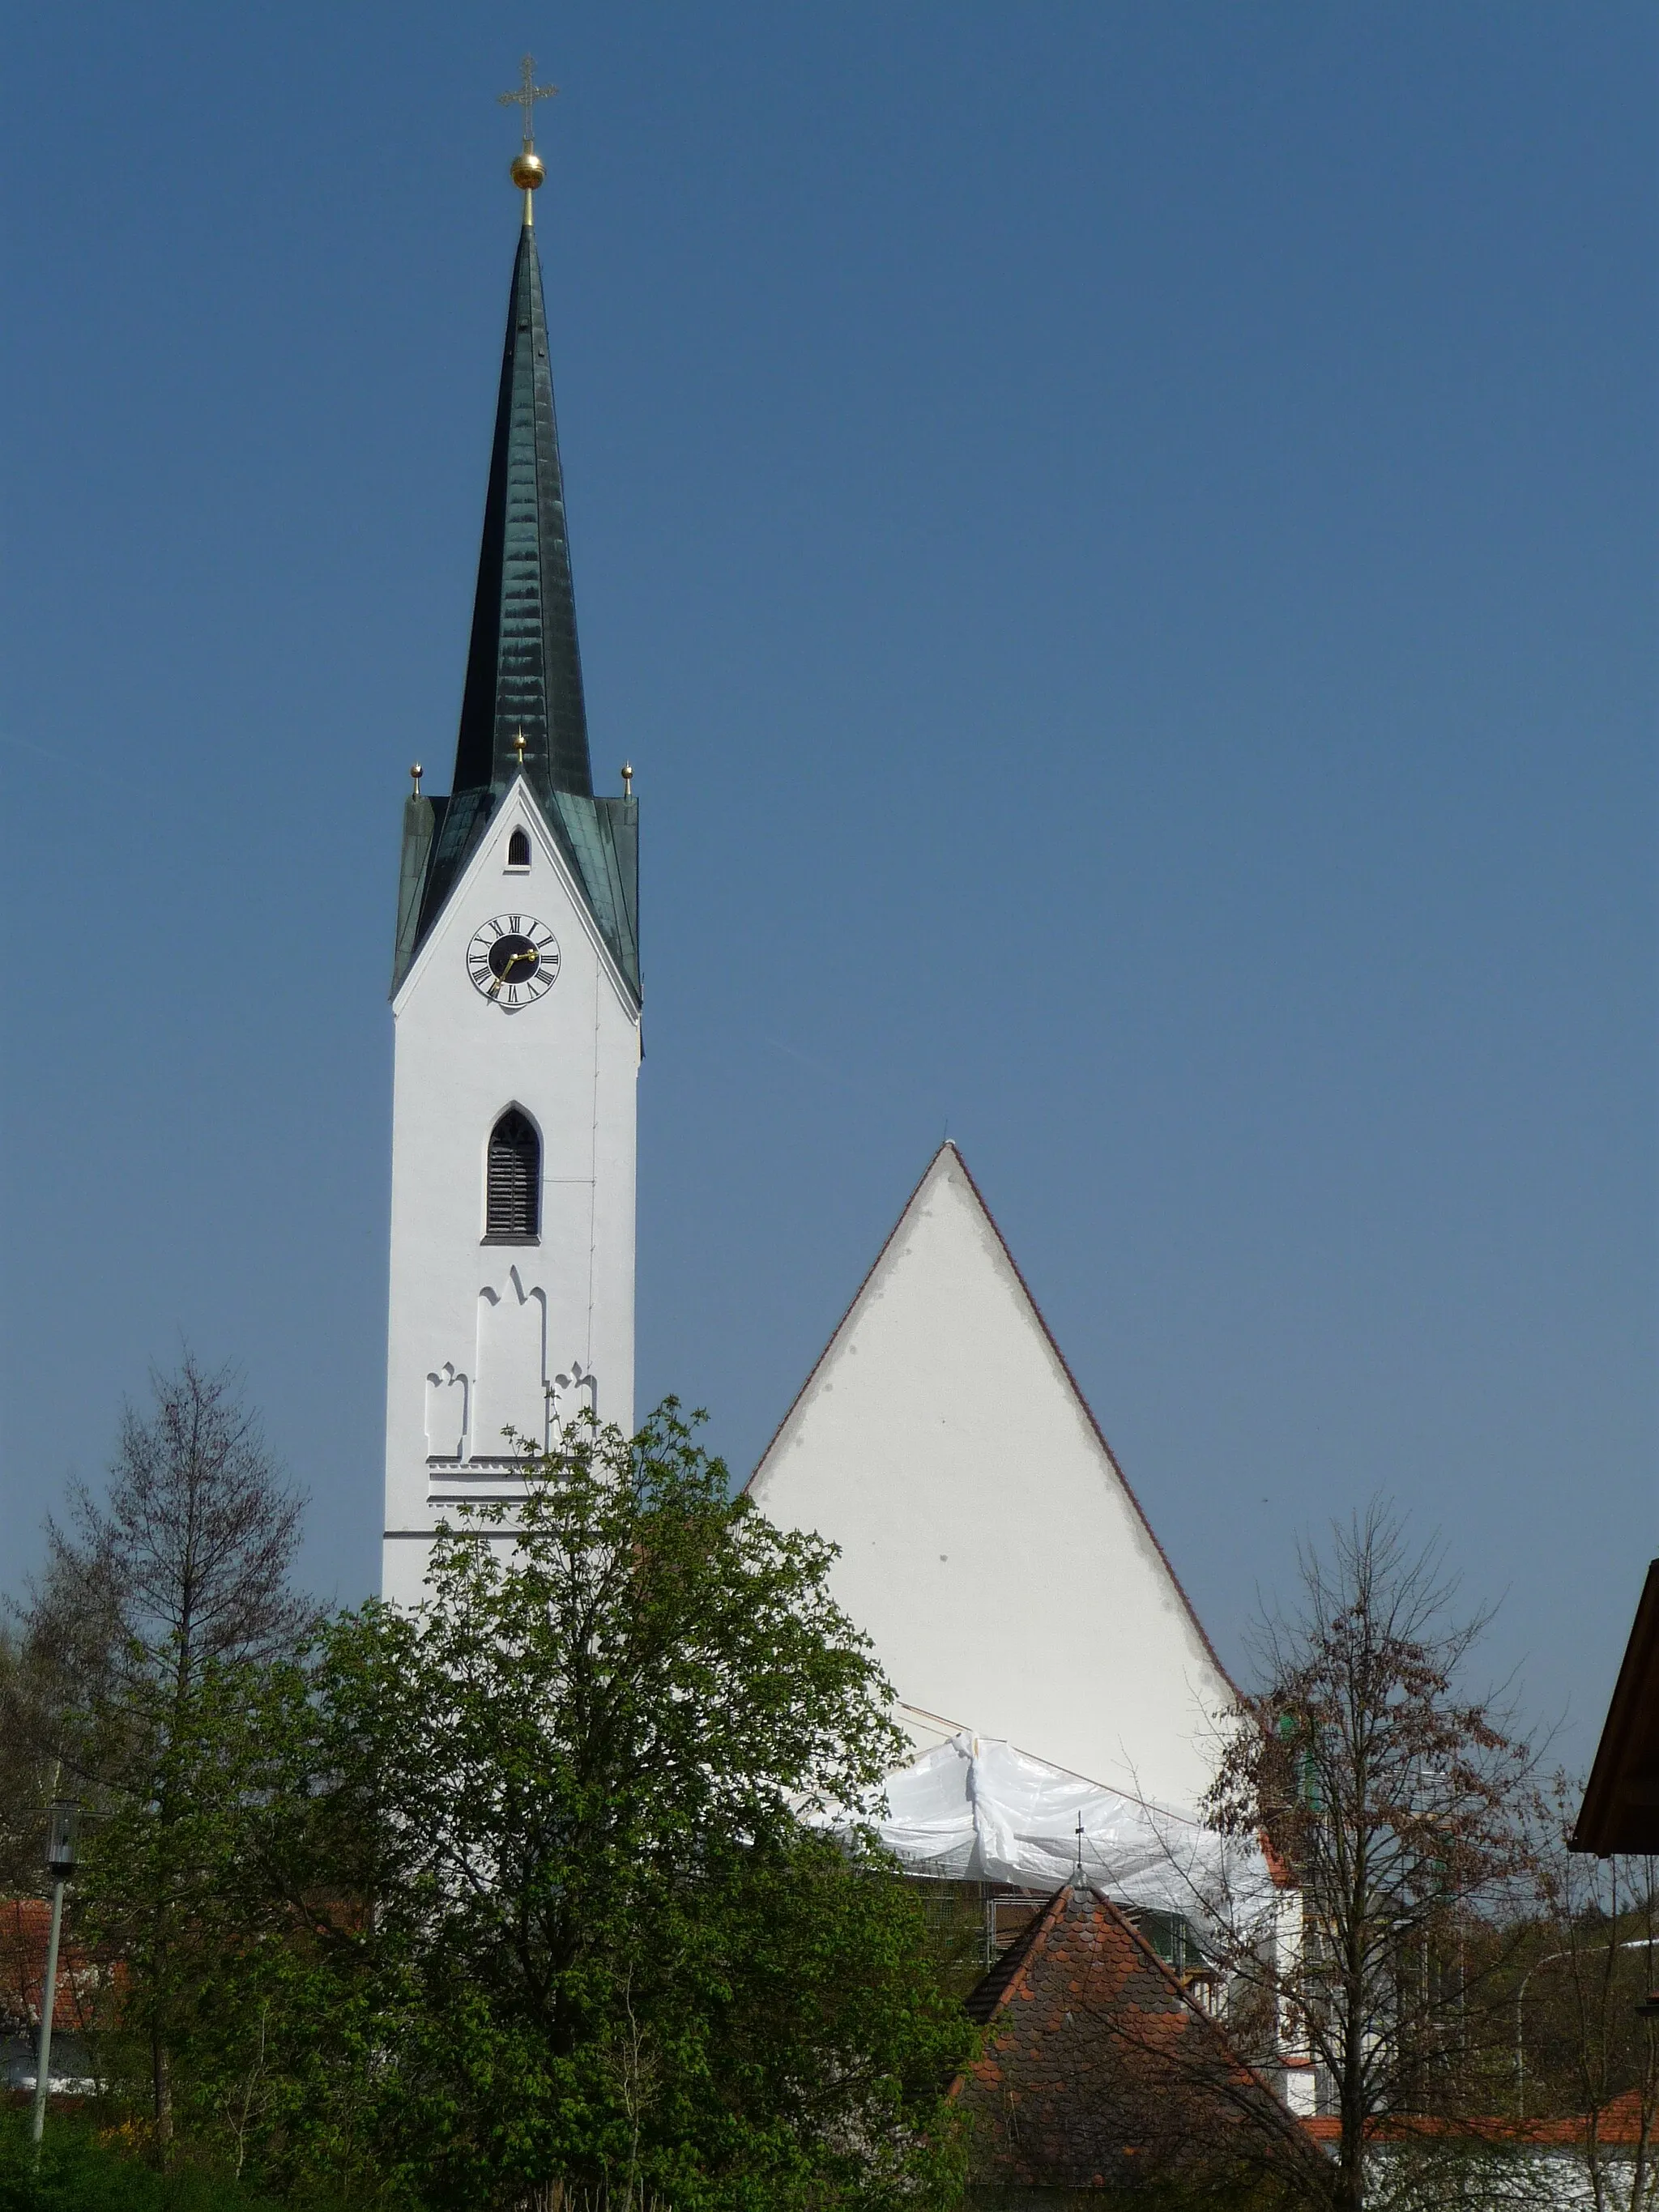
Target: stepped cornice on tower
{"points": [[523, 711]]}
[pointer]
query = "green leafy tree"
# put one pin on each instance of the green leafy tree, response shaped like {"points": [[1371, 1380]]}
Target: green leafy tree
{"points": [[268, 1989], [598, 1752], [534, 1886]]}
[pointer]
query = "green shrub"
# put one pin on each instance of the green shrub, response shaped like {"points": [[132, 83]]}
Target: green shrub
{"points": [[77, 2172]]}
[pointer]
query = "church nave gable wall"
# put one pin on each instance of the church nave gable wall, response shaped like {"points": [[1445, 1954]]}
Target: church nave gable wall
{"points": [[988, 1542]]}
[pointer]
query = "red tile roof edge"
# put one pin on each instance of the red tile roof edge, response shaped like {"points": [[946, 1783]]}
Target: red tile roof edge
{"points": [[1033, 1938], [1008, 1967], [1620, 2121]]}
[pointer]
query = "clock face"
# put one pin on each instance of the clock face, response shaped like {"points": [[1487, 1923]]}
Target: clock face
{"points": [[514, 961]]}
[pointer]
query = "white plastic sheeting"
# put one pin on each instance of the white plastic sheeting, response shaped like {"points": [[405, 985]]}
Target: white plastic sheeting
{"points": [[976, 1809]]}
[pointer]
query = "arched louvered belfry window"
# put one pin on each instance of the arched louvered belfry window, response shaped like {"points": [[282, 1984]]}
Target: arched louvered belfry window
{"points": [[512, 1201], [518, 849]]}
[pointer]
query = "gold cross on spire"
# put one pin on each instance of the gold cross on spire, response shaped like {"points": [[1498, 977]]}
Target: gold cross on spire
{"points": [[528, 93]]}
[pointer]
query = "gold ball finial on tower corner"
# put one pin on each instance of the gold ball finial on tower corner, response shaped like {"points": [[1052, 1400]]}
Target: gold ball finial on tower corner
{"points": [[628, 779], [415, 775]]}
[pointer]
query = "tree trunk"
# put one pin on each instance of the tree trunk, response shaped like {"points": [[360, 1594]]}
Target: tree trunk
{"points": [[1350, 2191], [163, 2081], [1351, 2177]]}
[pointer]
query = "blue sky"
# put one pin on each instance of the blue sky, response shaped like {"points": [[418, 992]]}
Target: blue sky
{"points": [[1121, 544]]}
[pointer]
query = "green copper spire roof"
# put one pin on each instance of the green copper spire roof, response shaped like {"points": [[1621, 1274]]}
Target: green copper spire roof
{"points": [[524, 677], [523, 672]]}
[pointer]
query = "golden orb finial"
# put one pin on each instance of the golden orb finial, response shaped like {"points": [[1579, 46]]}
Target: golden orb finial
{"points": [[527, 171]]}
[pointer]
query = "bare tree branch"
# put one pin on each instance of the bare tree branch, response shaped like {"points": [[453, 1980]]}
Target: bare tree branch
{"points": [[1403, 1811], [186, 1562]]}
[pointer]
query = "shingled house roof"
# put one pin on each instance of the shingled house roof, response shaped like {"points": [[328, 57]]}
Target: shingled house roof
{"points": [[1098, 2070], [24, 1922]]}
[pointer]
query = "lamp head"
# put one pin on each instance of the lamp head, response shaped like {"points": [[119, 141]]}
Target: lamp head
{"points": [[62, 1830]]}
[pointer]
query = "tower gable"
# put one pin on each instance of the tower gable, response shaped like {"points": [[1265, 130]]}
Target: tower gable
{"points": [[990, 1545], [519, 809], [597, 838]]}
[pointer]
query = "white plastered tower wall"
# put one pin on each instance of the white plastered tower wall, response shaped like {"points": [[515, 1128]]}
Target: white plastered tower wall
{"points": [[989, 1545], [555, 1319]]}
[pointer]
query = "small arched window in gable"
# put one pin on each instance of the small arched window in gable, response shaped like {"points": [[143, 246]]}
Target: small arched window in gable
{"points": [[518, 849], [512, 1197]]}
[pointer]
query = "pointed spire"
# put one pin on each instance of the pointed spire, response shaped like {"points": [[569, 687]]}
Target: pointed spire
{"points": [[522, 711], [524, 669]]}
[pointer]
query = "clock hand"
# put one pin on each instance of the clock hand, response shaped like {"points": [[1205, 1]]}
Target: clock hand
{"points": [[513, 960]]}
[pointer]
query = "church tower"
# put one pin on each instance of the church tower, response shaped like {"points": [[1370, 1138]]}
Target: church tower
{"points": [[516, 1000]]}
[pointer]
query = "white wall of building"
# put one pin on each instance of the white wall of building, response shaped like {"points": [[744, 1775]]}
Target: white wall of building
{"points": [[479, 1333], [989, 1544]]}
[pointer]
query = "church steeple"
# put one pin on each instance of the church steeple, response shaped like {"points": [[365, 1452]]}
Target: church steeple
{"points": [[515, 1007], [523, 672], [522, 709]]}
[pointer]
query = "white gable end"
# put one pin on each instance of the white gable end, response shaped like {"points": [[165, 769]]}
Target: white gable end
{"points": [[989, 1544], [485, 884]]}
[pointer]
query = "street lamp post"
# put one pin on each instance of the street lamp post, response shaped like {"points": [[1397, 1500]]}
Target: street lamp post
{"points": [[1636, 1943], [61, 1824]]}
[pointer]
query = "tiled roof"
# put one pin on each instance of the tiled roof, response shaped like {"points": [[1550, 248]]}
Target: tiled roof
{"points": [[986, 1994], [24, 1923], [1097, 2068], [1618, 2127]]}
